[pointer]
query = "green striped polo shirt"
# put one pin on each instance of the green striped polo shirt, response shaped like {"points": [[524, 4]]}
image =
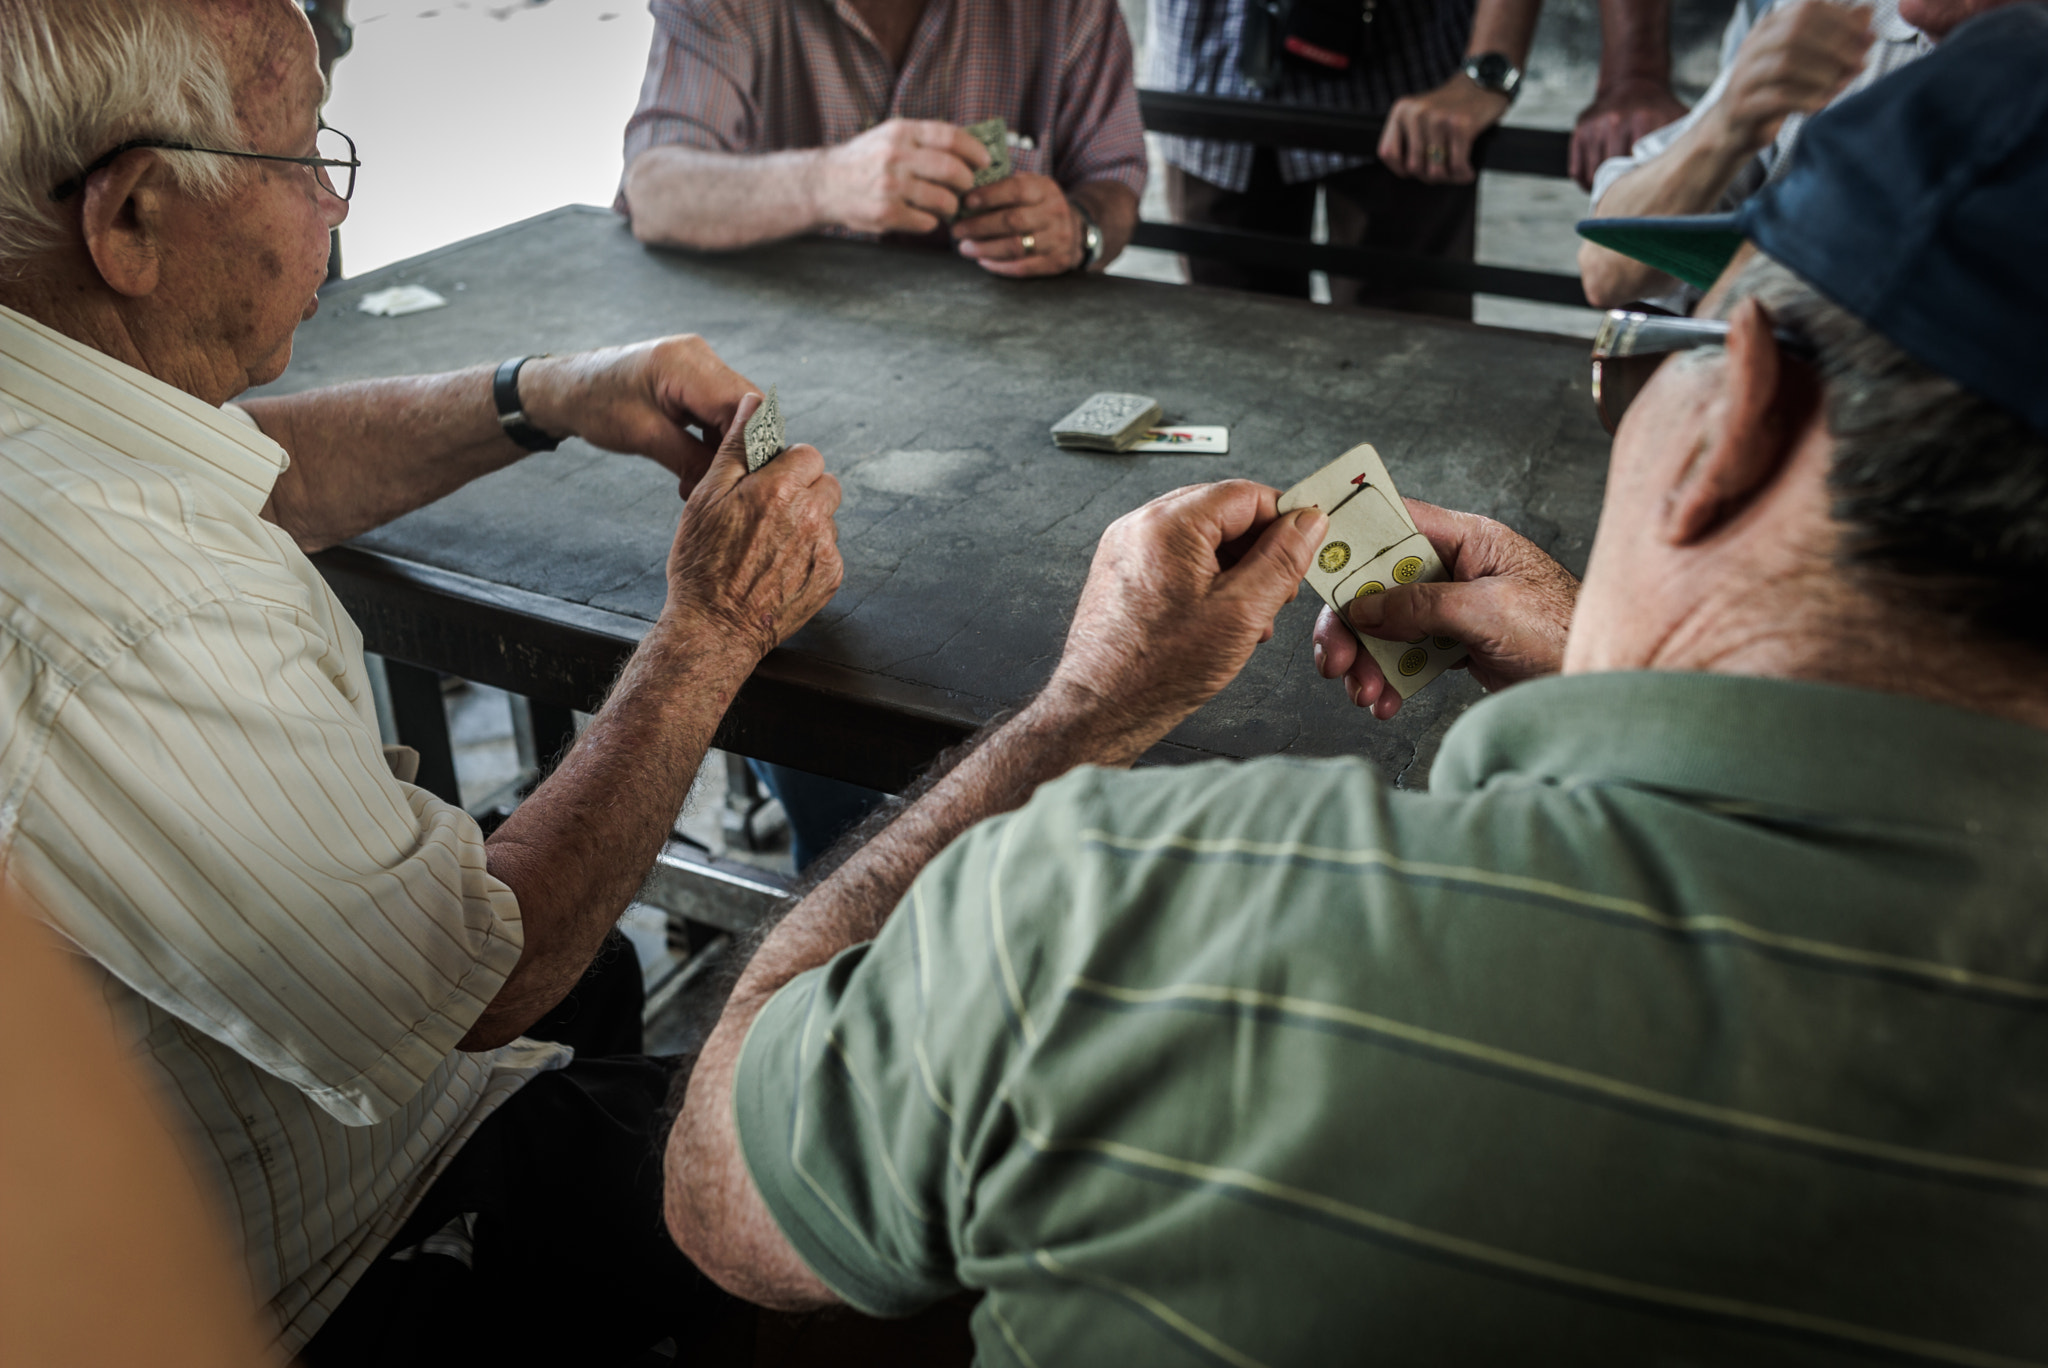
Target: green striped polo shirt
{"points": [[1686, 1019]]}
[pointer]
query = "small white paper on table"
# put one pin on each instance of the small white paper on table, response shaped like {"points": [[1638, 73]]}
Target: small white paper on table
{"points": [[1181, 439], [401, 300]]}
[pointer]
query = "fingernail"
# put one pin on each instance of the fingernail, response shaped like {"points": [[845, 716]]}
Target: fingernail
{"points": [[1315, 524], [1319, 662]]}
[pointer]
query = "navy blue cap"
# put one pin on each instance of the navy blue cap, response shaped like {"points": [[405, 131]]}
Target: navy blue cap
{"points": [[1919, 204]]}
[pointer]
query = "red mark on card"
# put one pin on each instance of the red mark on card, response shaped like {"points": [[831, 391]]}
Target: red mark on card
{"points": [[1359, 478]]}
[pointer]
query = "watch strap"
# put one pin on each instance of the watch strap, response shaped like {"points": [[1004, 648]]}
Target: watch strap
{"points": [[1091, 239], [511, 416]]}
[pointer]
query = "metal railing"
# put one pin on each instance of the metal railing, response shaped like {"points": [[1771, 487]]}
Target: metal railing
{"points": [[1527, 151]]}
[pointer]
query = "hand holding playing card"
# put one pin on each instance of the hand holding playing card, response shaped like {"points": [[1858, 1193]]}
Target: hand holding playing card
{"points": [[1180, 593], [1508, 602], [1020, 226], [640, 399], [902, 176], [756, 555]]}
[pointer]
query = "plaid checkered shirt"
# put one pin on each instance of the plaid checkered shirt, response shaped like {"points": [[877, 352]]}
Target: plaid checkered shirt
{"points": [[1413, 46], [753, 76]]}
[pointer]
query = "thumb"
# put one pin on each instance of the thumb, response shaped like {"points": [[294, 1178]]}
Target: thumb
{"points": [[1444, 608], [1279, 558], [730, 464]]}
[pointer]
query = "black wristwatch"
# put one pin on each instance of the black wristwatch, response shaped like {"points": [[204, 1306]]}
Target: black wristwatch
{"points": [[1493, 71], [511, 416], [1091, 240]]}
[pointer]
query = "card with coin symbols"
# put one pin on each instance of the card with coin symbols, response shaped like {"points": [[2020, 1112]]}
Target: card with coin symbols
{"points": [[1408, 665], [1371, 546]]}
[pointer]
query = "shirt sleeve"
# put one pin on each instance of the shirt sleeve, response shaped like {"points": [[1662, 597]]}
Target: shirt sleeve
{"points": [[870, 1093], [1100, 134], [697, 91], [214, 822]]}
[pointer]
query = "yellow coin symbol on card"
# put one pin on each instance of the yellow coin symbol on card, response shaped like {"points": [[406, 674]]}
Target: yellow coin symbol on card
{"points": [[1368, 588], [1333, 557], [1444, 644], [1413, 661], [1407, 568]]}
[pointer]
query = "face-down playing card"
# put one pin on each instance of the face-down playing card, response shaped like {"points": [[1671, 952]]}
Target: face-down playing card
{"points": [[1371, 546], [763, 432]]}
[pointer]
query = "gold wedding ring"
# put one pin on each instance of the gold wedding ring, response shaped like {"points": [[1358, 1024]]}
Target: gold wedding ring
{"points": [[1030, 241]]}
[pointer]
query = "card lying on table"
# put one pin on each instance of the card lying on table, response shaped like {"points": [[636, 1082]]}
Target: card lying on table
{"points": [[1371, 546], [1108, 422], [994, 134], [764, 433], [1187, 440]]}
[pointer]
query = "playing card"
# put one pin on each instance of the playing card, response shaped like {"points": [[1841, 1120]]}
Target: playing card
{"points": [[1408, 665], [994, 134], [764, 433], [1371, 546], [1340, 479], [1184, 440], [1107, 422], [1363, 527]]}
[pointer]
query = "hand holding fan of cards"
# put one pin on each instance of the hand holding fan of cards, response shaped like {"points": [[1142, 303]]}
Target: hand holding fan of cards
{"points": [[1372, 546]]}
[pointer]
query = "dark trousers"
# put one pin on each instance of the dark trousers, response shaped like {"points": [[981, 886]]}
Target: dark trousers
{"points": [[820, 810], [1367, 206], [562, 1190]]}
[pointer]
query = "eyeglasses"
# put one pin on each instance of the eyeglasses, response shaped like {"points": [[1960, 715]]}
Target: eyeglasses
{"points": [[1630, 347], [337, 152]]}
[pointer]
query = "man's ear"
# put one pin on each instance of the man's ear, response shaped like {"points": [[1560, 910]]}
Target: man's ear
{"points": [[1752, 426], [123, 219]]}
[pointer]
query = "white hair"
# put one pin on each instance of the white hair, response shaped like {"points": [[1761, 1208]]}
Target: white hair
{"points": [[80, 77]]}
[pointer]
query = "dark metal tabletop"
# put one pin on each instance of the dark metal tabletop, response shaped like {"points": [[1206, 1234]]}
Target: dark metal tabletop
{"points": [[930, 386]]}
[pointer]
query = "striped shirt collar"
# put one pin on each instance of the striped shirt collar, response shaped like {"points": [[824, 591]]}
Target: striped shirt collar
{"points": [[1796, 749], [133, 412]]}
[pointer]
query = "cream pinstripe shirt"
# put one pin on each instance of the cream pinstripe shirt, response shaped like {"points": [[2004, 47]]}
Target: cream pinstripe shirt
{"points": [[193, 791]]}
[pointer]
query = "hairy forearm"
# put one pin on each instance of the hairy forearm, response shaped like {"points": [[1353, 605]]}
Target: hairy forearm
{"points": [[1635, 41], [1114, 208], [1689, 178], [688, 197], [578, 849], [364, 453], [713, 1212], [1504, 26]]}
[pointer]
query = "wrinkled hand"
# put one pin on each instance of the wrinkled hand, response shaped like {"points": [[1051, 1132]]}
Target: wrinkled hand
{"points": [[1506, 600], [756, 554], [1429, 137], [1180, 593], [1794, 61], [1620, 114], [902, 176], [1001, 214], [641, 399]]}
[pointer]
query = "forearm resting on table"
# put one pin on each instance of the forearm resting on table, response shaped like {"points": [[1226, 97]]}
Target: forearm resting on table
{"points": [[365, 453], [714, 1211], [690, 197], [1114, 207], [1689, 178], [577, 850]]}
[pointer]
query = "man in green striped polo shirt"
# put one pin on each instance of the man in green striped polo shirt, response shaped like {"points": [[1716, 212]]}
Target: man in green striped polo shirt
{"points": [[1698, 1013]]}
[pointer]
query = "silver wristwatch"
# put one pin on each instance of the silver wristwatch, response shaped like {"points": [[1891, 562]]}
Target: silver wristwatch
{"points": [[1091, 241], [1493, 71]]}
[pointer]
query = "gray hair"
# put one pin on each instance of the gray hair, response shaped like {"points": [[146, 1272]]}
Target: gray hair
{"points": [[1942, 496], [80, 77]]}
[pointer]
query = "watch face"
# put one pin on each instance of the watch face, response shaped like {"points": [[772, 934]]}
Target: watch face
{"points": [[1493, 69]]}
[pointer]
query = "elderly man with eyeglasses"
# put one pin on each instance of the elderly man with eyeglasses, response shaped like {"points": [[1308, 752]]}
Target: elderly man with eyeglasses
{"points": [[420, 1099], [1699, 1011]]}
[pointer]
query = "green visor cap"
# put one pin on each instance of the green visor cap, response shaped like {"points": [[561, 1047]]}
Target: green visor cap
{"points": [[1695, 248]]}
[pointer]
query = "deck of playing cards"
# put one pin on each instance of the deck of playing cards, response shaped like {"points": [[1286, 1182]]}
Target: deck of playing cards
{"points": [[1371, 546], [1108, 422], [764, 433], [1186, 439], [994, 134]]}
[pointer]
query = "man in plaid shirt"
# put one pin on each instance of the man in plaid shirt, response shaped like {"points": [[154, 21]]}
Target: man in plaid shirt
{"points": [[1419, 196], [760, 119]]}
